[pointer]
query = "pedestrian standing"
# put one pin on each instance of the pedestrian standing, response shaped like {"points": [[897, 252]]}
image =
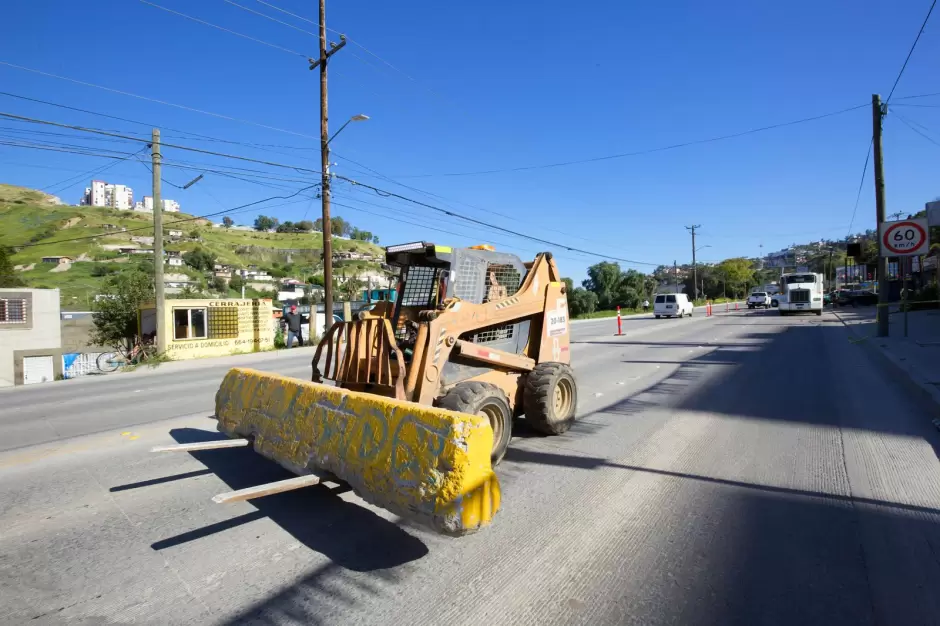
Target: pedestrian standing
{"points": [[646, 306], [293, 321]]}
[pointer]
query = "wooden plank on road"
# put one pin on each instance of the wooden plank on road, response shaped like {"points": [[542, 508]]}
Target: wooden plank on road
{"points": [[202, 445], [267, 489]]}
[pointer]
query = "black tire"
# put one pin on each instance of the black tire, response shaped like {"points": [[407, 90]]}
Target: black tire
{"points": [[550, 398], [109, 361], [819, 312], [488, 401], [658, 316]]}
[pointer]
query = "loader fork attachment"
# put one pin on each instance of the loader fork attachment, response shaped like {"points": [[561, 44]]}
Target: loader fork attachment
{"points": [[360, 354]]}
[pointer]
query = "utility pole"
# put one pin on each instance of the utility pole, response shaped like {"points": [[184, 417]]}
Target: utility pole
{"points": [[675, 274], [830, 273], [877, 116], [325, 167], [694, 270], [156, 159]]}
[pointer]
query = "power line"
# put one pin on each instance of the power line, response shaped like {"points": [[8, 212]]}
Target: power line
{"points": [[149, 99], [922, 95], [911, 126], [268, 17], [921, 106], [642, 152], [508, 246], [861, 183], [466, 204], [273, 164], [228, 30], [91, 172], [386, 194], [53, 149], [911, 52], [168, 145]]}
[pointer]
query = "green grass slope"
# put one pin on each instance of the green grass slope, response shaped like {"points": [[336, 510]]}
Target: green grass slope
{"points": [[36, 226]]}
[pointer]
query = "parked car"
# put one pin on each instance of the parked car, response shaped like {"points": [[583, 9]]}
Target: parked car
{"points": [[855, 298], [672, 305], [758, 299]]}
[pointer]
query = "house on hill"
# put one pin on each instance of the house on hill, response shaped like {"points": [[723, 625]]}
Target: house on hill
{"points": [[58, 260]]}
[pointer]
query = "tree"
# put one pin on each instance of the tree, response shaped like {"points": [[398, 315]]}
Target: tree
{"points": [[581, 301], [194, 233], [218, 284], [602, 280], [304, 226], [115, 314], [228, 222], [318, 224], [8, 277], [236, 282], [375, 239], [286, 227], [352, 288], [738, 273], [264, 223], [338, 227], [199, 259]]}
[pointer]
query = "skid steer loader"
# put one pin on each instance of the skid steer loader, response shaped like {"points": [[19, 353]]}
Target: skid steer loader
{"points": [[424, 389], [472, 330]]}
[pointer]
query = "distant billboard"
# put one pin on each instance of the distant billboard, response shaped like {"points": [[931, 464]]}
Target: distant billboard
{"points": [[933, 213]]}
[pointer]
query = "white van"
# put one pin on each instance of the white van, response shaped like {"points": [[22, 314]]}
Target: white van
{"points": [[672, 305]]}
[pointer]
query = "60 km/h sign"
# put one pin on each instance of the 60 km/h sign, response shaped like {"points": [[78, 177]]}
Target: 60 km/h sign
{"points": [[904, 238]]}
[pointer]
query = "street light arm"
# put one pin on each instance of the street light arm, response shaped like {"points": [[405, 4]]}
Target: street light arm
{"points": [[338, 132]]}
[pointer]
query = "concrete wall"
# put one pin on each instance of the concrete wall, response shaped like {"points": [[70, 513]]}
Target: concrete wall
{"points": [[423, 463], [39, 335]]}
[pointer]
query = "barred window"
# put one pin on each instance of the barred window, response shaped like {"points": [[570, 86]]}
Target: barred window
{"points": [[12, 311], [223, 322]]}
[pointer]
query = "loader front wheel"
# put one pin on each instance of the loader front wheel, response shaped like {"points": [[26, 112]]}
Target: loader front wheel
{"points": [[550, 398], [487, 401]]}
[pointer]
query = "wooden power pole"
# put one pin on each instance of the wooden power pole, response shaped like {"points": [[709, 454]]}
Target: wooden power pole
{"points": [[877, 116], [325, 167], [159, 296], [694, 270]]}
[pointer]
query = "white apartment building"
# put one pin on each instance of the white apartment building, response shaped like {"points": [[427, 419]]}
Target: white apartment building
{"points": [[104, 194], [169, 206]]}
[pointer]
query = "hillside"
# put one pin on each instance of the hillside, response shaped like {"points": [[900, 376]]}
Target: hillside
{"points": [[36, 225]]}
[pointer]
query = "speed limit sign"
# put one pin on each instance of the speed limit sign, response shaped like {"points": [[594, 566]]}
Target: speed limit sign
{"points": [[905, 238]]}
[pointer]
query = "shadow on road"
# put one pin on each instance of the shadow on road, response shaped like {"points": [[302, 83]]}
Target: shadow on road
{"points": [[360, 544], [762, 553]]}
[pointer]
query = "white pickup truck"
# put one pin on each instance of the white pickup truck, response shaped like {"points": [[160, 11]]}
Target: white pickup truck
{"points": [[758, 299]]}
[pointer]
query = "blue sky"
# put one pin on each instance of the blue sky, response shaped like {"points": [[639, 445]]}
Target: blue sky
{"points": [[457, 88]]}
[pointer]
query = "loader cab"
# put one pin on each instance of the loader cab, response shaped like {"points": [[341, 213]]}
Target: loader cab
{"points": [[431, 274]]}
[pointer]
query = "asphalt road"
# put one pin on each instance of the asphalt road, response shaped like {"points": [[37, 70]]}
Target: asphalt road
{"points": [[743, 469], [53, 412]]}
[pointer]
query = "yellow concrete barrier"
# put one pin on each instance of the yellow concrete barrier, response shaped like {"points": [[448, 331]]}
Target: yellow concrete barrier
{"points": [[423, 463]]}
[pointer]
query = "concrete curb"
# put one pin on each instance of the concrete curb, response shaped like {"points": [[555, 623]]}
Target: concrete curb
{"points": [[912, 380]]}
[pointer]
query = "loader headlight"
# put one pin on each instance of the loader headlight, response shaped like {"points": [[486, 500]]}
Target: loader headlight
{"points": [[404, 247]]}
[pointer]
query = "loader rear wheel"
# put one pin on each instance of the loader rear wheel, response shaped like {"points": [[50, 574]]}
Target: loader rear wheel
{"points": [[550, 398], [487, 401]]}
